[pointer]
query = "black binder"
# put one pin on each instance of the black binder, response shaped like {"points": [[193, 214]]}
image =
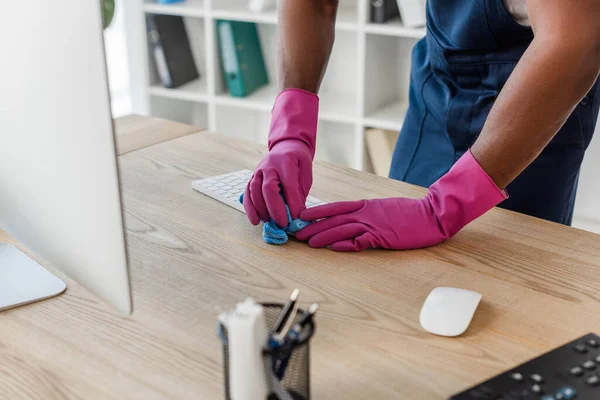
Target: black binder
{"points": [[171, 48], [383, 10]]}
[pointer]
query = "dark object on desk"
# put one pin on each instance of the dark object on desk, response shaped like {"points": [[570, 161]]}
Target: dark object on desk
{"points": [[383, 10], [171, 48], [241, 57], [296, 335], [568, 372], [296, 380]]}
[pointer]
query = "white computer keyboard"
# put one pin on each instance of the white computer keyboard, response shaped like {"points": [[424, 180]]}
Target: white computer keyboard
{"points": [[228, 188]]}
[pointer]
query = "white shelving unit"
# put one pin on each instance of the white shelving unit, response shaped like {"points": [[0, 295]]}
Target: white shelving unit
{"points": [[366, 84]]}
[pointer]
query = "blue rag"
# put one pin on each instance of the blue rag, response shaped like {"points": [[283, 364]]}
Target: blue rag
{"points": [[274, 234]]}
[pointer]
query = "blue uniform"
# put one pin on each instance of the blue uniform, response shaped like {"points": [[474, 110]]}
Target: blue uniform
{"points": [[468, 54]]}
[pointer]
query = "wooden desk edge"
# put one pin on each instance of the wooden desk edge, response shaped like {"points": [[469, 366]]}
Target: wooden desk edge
{"points": [[134, 132]]}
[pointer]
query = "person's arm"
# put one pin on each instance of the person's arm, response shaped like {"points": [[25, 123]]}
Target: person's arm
{"points": [[306, 34], [557, 70], [555, 73]]}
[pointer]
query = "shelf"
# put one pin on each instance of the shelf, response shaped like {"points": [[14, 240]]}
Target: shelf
{"points": [[346, 17], [338, 107], [356, 93], [188, 8], [335, 143], [334, 106], [192, 91], [394, 27], [234, 12], [390, 117], [261, 99]]}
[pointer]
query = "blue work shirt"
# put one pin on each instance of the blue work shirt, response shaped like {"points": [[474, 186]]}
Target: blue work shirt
{"points": [[458, 69]]}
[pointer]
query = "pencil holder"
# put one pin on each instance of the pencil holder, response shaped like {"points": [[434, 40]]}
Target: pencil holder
{"points": [[295, 381]]}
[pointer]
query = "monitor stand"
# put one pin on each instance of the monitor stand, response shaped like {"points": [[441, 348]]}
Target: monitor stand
{"points": [[23, 281]]}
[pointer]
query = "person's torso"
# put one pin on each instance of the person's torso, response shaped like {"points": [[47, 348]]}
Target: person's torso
{"points": [[472, 48], [458, 69]]}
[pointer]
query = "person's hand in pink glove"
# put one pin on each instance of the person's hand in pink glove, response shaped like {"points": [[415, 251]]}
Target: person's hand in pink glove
{"points": [[287, 168], [462, 195]]}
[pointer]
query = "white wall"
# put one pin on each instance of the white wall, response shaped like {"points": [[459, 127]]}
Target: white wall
{"points": [[587, 205]]}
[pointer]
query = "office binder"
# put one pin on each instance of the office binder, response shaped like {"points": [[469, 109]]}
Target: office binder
{"points": [[383, 10], [171, 48], [241, 57]]}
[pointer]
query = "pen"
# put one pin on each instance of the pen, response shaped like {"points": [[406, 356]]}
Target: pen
{"points": [[294, 337], [280, 337], [306, 317], [285, 312]]}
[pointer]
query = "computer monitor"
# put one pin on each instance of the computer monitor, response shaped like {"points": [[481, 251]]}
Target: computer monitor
{"points": [[59, 183]]}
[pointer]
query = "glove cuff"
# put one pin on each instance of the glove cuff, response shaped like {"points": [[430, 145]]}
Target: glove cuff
{"points": [[465, 193], [294, 117]]}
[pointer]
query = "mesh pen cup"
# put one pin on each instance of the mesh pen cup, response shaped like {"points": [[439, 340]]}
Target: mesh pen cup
{"points": [[295, 380]]}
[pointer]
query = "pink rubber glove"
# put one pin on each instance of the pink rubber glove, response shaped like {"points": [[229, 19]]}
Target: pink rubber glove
{"points": [[457, 198], [288, 166]]}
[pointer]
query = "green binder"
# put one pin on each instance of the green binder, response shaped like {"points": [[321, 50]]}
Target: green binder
{"points": [[241, 57]]}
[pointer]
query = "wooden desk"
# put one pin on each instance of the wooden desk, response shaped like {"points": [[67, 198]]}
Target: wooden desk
{"points": [[192, 257], [135, 132]]}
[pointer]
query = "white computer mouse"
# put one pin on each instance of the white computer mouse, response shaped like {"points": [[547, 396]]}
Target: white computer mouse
{"points": [[448, 311]]}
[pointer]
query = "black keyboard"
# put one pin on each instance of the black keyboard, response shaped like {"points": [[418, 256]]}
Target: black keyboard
{"points": [[569, 372]]}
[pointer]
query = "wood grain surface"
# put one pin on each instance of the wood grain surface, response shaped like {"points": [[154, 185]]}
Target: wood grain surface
{"points": [[192, 257], [136, 131]]}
